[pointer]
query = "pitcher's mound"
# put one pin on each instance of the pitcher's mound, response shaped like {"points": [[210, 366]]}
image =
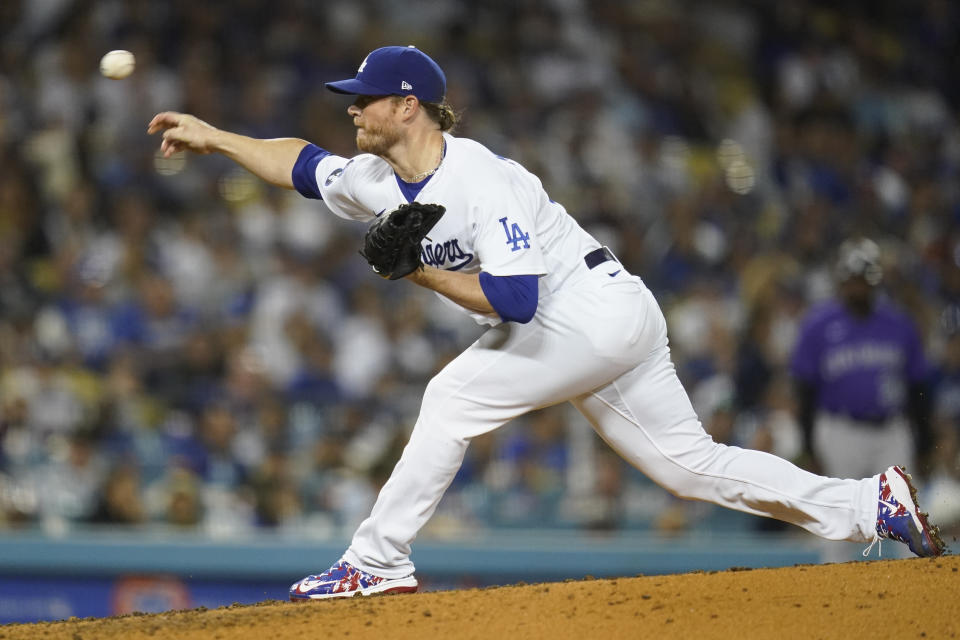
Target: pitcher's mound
{"points": [[895, 598]]}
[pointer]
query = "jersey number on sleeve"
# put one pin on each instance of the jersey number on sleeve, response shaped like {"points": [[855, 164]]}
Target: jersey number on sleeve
{"points": [[515, 235]]}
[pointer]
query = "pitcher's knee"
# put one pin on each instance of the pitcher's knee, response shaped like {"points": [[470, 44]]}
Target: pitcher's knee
{"points": [[437, 398], [441, 391], [452, 409]]}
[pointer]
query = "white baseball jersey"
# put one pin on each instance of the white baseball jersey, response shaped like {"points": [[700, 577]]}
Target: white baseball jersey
{"points": [[598, 340], [499, 219]]}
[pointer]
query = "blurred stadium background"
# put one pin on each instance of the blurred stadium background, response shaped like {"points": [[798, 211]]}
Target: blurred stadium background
{"points": [[202, 386]]}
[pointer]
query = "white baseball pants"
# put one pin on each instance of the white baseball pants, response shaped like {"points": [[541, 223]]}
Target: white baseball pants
{"points": [[600, 343]]}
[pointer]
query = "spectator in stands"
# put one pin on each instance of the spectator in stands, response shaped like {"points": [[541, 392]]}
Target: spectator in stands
{"points": [[120, 498]]}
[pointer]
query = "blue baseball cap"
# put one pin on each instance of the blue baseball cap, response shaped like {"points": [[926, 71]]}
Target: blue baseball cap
{"points": [[396, 71]]}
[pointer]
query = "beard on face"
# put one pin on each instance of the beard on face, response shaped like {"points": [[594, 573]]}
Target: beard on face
{"points": [[377, 139]]}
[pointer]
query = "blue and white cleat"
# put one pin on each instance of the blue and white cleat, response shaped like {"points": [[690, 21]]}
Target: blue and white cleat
{"points": [[899, 516], [343, 580]]}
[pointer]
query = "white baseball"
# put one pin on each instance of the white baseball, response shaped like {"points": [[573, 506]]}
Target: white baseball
{"points": [[117, 64]]}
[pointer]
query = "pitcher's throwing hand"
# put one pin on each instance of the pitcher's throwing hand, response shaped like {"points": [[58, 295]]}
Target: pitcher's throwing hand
{"points": [[182, 132]]}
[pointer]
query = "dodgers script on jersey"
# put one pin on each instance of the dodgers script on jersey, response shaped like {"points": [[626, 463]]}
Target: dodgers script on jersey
{"points": [[500, 221]]}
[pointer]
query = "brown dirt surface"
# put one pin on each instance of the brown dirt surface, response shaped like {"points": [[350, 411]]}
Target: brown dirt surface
{"points": [[913, 598]]}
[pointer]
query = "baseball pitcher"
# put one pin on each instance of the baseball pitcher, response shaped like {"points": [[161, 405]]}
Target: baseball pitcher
{"points": [[567, 324]]}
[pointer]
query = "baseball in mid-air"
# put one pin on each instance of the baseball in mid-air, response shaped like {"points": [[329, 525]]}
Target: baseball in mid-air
{"points": [[117, 64]]}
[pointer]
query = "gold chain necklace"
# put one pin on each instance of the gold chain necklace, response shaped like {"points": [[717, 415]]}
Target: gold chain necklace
{"points": [[425, 174]]}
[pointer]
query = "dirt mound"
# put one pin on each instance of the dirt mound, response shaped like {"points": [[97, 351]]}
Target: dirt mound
{"points": [[903, 598]]}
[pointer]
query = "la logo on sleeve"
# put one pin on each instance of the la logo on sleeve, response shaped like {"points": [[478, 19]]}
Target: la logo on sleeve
{"points": [[515, 235]]}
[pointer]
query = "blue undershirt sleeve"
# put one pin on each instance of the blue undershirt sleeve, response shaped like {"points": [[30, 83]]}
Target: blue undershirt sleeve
{"points": [[514, 298], [304, 172]]}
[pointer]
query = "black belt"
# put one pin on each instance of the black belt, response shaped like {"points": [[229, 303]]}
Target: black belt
{"points": [[598, 256]]}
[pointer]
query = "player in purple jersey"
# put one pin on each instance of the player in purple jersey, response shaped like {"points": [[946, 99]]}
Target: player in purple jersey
{"points": [[861, 374]]}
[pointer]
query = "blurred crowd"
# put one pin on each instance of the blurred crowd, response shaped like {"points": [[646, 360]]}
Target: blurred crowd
{"points": [[182, 346]]}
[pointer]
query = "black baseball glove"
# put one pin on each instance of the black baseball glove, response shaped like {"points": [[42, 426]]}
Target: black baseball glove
{"points": [[392, 244]]}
